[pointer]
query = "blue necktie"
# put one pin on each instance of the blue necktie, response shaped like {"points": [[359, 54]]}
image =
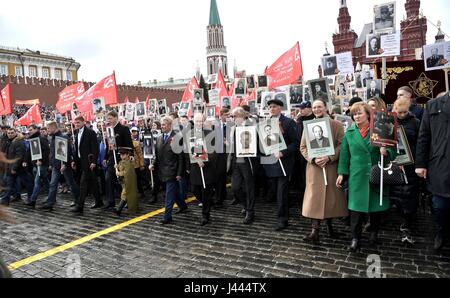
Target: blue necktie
{"points": [[166, 136]]}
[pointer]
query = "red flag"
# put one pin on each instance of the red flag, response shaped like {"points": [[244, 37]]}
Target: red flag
{"points": [[248, 97], [287, 69], [221, 85], [126, 100], [189, 91], [32, 116], [6, 101], [106, 88], [67, 97], [136, 100], [147, 100]]}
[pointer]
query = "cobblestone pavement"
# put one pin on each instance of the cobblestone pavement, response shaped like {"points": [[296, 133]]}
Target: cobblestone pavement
{"points": [[224, 248]]}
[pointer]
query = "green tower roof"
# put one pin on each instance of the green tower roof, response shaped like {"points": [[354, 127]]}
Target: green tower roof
{"points": [[214, 18]]}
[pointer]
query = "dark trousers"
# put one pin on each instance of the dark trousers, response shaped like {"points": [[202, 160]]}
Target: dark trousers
{"points": [[243, 184], [14, 185], [111, 185], [205, 195], [442, 214], [281, 188], [88, 183], [221, 185], [172, 197], [357, 220], [139, 179]]}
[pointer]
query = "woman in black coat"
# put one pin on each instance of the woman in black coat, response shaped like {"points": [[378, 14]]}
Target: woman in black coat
{"points": [[406, 196]]}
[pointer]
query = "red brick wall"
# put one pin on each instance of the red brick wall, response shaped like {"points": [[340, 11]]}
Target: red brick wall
{"points": [[47, 90]]}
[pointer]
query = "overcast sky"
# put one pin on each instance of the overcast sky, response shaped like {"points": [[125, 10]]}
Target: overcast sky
{"points": [[144, 40]]}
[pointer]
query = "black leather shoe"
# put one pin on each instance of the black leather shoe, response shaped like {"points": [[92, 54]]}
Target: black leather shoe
{"points": [[31, 204], [97, 206], [47, 208], [354, 246], [281, 227], [249, 220], [204, 222], [76, 210], [73, 205], [179, 211], [438, 243], [166, 221]]}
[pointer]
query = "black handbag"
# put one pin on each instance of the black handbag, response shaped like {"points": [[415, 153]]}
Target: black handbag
{"points": [[392, 175]]}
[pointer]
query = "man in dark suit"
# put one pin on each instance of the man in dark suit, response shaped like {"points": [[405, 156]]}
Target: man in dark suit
{"points": [[434, 60], [320, 141], [222, 155], [85, 161], [122, 138], [274, 164], [170, 168]]}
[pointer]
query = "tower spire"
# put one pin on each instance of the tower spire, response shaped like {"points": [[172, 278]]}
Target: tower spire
{"points": [[214, 18]]}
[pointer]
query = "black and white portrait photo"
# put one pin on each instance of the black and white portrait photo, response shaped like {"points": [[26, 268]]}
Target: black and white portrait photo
{"points": [[162, 107], [358, 80], [264, 107], [152, 104], [140, 111], [373, 89], [98, 106], [284, 98], [404, 154], [252, 105], [35, 148], [374, 45], [110, 136], [211, 112], [184, 109], [262, 81], [329, 66], [198, 150], [211, 79], [198, 97], [148, 147], [320, 89], [319, 138], [129, 111], [437, 56], [226, 102], [271, 137], [250, 82], [213, 96], [366, 77], [176, 107], [246, 141], [296, 93], [306, 93], [384, 17], [240, 87], [383, 127], [61, 145]]}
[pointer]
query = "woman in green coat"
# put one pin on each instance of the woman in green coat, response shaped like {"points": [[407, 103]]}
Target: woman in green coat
{"points": [[355, 163]]}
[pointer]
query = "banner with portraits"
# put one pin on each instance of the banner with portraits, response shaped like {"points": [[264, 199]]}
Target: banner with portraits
{"points": [[271, 137], [35, 149], [337, 64], [246, 141], [437, 56], [61, 149], [319, 137], [383, 45], [383, 129]]}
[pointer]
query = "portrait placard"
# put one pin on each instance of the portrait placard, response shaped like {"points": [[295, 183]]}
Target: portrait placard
{"points": [[382, 45], [264, 108], [437, 56], [99, 107], [262, 81], [129, 112], [404, 154], [210, 112], [152, 106], [176, 107], [320, 89], [306, 93], [198, 97], [384, 18], [373, 89], [346, 121], [240, 88], [214, 95], [250, 82], [162, 107], [319, 138], [184, 109], [285, 99], [270, 136], [35, 148], [61, 146], [110, 136], [149, 151], [246, 141], [259, 93], [296, 94], [225, 102], [197, 152], [253, 107], [337, 64], [211, 79], [140, 111], [383, 128]]}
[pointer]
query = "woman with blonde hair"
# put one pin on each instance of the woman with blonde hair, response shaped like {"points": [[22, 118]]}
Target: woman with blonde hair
{"points": [[377, 103]]}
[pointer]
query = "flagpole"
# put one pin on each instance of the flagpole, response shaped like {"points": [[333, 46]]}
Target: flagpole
{"points": [[325, 176], [381, 180], [203, 178], [282, 167]]}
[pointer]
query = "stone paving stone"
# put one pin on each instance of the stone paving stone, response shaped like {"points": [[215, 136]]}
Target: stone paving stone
{"points": [[224, 248]]}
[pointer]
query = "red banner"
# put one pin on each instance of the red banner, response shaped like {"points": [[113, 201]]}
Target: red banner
{"points": [[188, 94], [68, 96], [32, 116], [6, 101], [221, 85], [287, 69], [106, 88]]}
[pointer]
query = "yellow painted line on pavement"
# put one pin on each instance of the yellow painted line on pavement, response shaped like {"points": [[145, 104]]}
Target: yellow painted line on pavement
{"points": [[85, 239]]}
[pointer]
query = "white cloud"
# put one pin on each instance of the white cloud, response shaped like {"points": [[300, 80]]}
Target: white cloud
{"points": [[146, 40]]}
